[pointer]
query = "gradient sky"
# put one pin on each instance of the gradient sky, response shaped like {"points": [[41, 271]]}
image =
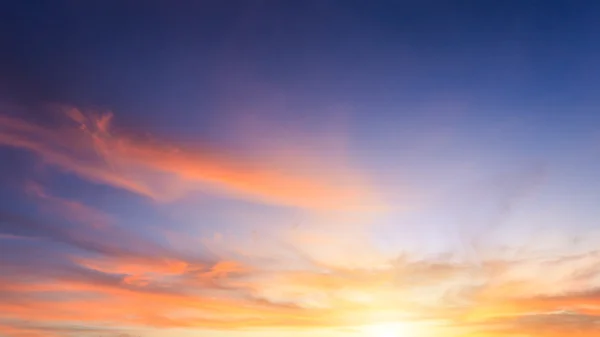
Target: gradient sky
{"points": [[299, 168]]}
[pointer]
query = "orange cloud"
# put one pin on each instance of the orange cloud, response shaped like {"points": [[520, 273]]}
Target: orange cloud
{"points": [[88, 147], [129, 281], [227, 295]]}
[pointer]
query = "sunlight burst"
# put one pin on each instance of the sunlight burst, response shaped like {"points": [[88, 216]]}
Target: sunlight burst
{"points": [[396, 329]]}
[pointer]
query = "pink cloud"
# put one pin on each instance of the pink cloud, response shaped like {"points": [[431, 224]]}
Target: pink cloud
{"points": [[89, 148]]}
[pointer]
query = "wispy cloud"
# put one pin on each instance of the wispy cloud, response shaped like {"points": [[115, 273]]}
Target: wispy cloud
{"points": [[86, 145], [47, 284], [325, 273], [543, 324]]}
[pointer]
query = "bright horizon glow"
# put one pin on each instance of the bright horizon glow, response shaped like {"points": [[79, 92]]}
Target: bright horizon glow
{"points": [[395, 329]]}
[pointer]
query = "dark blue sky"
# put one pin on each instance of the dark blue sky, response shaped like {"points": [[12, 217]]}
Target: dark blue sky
{"points": [[162, 57]]}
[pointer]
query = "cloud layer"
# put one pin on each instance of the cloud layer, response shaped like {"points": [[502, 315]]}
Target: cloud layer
{"points": [[84, 144], [328, 275]]}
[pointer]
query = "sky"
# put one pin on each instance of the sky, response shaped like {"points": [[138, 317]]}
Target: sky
{"points": [[299, 168]]}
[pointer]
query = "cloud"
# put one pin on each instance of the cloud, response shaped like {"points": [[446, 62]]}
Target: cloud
{"points": [[70, 210], [44, 284], [77, 247], [48, 284], [86, 145], [103, 243], [51, 271], [86, 258], [109, 242], [542, 324], [542, 296], [23, 328], [329, 273]]}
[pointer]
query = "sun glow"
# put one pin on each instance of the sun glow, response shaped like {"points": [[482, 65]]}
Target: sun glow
{"points": [[396, 329]]}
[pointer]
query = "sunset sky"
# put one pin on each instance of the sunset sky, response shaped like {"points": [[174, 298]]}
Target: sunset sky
{"points": [[299, 168]]}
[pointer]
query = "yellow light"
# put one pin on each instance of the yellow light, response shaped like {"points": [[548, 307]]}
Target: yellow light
{"points": [[396, 329]]}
